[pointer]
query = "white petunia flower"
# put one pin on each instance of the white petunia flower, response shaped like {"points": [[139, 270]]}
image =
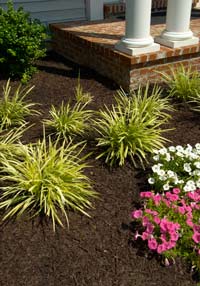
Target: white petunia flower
{"points": [[151, 181], [179, 148], [156, 168], [197, 164], [166, 187], [187, 167], [172, 149], [163, 151], [197, 146], [156, 158], [161, 173], [170, 174]]}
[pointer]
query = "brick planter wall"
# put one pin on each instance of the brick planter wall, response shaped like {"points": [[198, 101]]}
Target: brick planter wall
{"points": [[92, 45]]}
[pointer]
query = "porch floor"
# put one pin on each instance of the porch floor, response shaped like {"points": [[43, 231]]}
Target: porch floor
{"points": [[93, 44]]}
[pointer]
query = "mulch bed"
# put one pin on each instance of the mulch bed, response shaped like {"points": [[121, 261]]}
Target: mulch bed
{"points": [[96, 251]]}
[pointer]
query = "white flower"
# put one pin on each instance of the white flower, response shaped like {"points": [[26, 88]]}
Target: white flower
{"points": [[191, 185], [163, 178], [156, 168], [168, 157], [186, 188], [161, 172], [179, 148], [170, 174], [180, 154], [156, 157], [172, 149], [151, 181], [198, 183], [163, 151], [196, 173], [187, 167], [197, 146], [166, 187], [197, 164]]}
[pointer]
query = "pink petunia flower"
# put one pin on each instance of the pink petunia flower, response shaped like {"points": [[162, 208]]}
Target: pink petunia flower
{"points": [[137, 214], [152, 244]]}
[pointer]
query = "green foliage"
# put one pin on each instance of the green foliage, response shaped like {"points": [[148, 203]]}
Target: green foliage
{"points": [[48, 180], [133, 126], [68, 121], [21, 42], [13, 108], [9, 139], [183, 83]]}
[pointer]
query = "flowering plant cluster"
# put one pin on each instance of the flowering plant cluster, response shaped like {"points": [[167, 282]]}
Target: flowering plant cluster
{"points": [[176, 167], [171, 224]]}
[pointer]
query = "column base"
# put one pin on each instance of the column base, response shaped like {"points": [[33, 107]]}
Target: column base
{"points": [[137, 51], [176, 44]]}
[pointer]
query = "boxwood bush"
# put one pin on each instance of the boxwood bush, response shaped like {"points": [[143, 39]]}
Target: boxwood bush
{"points": [[21, 42]]}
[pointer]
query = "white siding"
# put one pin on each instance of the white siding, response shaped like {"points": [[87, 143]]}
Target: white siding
{"points": [[49, 11]]}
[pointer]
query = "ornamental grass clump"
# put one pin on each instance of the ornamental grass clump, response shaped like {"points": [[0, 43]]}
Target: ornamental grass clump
{"points": [[69, 120], [176, 166], [47, 180], [13, 107], [133, 126], [169, 222], [183, 83]]}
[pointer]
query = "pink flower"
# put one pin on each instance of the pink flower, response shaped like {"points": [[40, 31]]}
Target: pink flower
{"points": [[152, 244], [150, 228], [176, 191], [137, 214], [145, 221], [156, 220], [174, 236], [196, 228], [145, 235], [188, 208], [172, 197], [189, 222], [181, 210], [161, 248], [146, 194], [194, 196], [167, 202], [149, 211], [196, 237], [198, 251], [157, 199]]}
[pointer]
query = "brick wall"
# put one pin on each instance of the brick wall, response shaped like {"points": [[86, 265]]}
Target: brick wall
{"points": [[127, 71]]}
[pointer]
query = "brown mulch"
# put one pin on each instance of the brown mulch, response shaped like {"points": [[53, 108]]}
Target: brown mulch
{"points": [[94, 251]]}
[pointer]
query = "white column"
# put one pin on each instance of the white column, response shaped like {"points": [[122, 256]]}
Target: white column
{"points": [[177, 32], [94, 9], [137, 38]]}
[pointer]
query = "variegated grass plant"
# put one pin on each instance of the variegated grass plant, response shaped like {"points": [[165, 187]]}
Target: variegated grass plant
{"points": [[183, 83], [9, 142], [69, 120], [48, 180], [133, 126], [13, 107]]}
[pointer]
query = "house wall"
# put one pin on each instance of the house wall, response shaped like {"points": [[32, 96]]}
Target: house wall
{"points": [[51, 11]]}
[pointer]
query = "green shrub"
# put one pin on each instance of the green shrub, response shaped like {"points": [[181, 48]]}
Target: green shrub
{"points": [[13, 108], [48, 180], [132, 127], [183, 83], [21, 41]]}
